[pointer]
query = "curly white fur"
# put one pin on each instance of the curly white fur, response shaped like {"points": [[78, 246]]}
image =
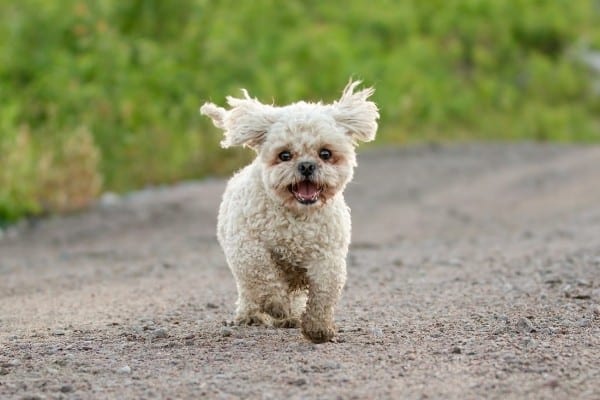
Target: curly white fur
{"points": [[285, 228]]}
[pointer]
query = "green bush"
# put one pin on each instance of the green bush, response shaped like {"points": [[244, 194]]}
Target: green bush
{"points": [[133, 74], [18, 176]]}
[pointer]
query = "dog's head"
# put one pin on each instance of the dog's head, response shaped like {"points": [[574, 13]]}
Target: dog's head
{"points": [[306, 150]]}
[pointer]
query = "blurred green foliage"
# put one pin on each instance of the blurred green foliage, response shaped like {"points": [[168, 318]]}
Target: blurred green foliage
{"points": [[123, 80]]}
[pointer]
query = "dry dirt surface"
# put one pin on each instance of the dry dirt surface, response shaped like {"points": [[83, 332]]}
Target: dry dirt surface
{"points": [[474, 272]]}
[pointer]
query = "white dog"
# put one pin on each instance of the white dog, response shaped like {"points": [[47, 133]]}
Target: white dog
{"points": [[283, 223]]}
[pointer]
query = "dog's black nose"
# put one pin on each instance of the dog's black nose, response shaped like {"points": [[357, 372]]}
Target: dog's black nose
{"points": [[306, 168]]}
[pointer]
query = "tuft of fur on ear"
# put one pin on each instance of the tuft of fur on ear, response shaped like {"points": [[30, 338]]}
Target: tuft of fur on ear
{"points": [[246, 123], [355, 113], [217, 114]]}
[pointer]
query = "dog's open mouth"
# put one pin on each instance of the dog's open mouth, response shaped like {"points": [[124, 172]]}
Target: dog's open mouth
{"points": [[306, 192]]}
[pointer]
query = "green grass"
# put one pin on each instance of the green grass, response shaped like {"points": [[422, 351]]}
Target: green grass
{"points": [[121, 81]]}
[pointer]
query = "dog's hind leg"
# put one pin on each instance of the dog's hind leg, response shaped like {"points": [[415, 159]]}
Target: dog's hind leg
{"points": [[262, 292], [297, 300]]}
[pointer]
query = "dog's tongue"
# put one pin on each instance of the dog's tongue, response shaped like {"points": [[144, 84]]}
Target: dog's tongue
{"points": [[307, 190]]}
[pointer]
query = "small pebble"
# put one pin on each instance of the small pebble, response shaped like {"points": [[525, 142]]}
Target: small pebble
{"points": [[211, 305], [581, 296], [502, 318], [66, 388], [553, 281], [148, 327], [330, 365], [525, 325], [583, 322], [62, 362], [565, 323], [552, 383], [160, 333], [168, 265], [376, 331], [583, 282], [528, 343], [456, 350], [137, 329], [86, 345], [298, 382], [124, 370], [58, 332], [226, 331]]}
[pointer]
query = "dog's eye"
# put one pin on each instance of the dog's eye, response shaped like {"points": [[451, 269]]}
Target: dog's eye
{"points": [[285, 156], [325, 154]]}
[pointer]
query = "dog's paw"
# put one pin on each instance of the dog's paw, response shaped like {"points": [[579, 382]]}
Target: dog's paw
{"points": [[252, 319], [287, 323], [277, 310], [317, 332]]}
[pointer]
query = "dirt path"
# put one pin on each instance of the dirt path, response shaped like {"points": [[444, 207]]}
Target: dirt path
{"points": [[474, 273]]}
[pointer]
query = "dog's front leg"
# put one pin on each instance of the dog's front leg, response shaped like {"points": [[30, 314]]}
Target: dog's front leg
{"points": [[326, 281]]}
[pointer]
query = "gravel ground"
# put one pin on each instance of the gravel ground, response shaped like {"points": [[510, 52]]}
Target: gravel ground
{"points": [[474, 273]]}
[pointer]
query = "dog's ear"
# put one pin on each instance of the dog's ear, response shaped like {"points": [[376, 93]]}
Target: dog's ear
{"points": [[355, 113], [246, 123]]}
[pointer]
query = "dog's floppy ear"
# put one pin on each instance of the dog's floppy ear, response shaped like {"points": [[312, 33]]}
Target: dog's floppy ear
{"points": [[355, 113], [246, 123]]}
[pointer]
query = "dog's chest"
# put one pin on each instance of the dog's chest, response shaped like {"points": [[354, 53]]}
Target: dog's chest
{"points": [[294, 240], [297, 241]]}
